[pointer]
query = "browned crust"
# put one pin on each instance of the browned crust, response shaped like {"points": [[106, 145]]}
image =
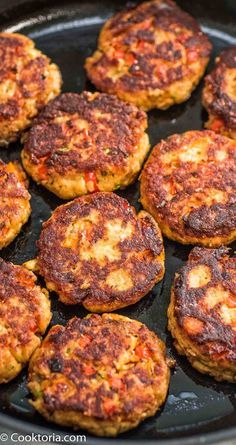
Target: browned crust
{"points": [[192, 213], [216, 98], [18, 282], [112, 131], [83, 280], [13, 181], [105, 368], [24, 316], [149, 65], [27, 81], [15, 201], [217, 338], [14, 47], [200, 323]]}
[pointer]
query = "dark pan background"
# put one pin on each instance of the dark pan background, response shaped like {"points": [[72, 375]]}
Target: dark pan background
{"points": [[197, 407]]}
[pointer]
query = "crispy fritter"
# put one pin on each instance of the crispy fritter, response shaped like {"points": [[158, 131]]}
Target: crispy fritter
{"points": [[189, 185], [152, 55], [14, 201], [102, 373], [86, 142], [24, 317], [96, 251], [202, 313], [219, 94], [28, 80]]}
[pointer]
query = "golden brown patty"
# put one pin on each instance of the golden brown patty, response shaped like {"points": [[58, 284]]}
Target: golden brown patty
{"points": [[189, 185], [14, 201], [86, 142], [202, 313], [96, 251], [152, 55], [24, 316], [102, 373], [219, 94], [27, 82]]}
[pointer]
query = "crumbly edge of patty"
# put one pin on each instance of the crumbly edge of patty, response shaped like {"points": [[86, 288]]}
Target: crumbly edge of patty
{"points": [[188, 348]]}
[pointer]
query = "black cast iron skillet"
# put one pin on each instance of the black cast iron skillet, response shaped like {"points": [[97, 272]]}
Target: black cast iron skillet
{"points": [[198, 410]]}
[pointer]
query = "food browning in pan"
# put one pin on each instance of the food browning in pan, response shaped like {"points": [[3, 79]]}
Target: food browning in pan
{"points": [[28, 80], [14, 201], [84, 143], [189, 185], [202, 313], [219, 94], [152, 55], [24, 317], [98, 252], [105, 374]]}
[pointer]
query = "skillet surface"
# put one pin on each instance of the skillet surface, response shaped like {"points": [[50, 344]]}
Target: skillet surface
{"points": [[197, 408]]}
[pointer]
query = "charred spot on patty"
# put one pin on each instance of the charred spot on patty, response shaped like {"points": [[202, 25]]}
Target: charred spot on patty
{"points": [[24, 316], [152, 50], [188, 185], [112, 374], [28, 80], [202, 313], [96, 251], [82, 143], [219, 94]]}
